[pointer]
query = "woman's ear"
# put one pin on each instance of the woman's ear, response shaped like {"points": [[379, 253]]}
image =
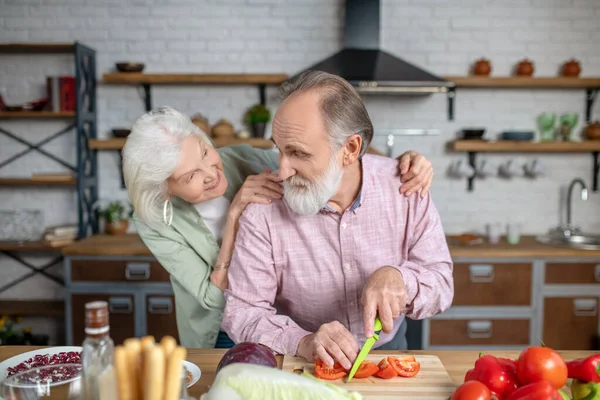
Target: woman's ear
{"points": [[352, 149]]}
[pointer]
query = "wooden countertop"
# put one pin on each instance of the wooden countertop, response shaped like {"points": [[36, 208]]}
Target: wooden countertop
{"points": [[456, 362], [132, 245]]}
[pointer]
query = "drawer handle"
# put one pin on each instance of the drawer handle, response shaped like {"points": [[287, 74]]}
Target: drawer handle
{"points": [[479, 329], [481, 273], [137, 271], [585, 307], [597, 273], [120, 305], [160, 305]]}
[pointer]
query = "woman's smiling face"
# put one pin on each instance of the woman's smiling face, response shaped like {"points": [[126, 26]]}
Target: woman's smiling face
{"points": [[199, 174]]}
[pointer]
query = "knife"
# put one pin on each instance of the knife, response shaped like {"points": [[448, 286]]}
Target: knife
{"points": [[377, 327]]}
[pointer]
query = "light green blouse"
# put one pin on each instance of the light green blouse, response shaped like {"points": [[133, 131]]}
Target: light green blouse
{"points": [[188, 250]]}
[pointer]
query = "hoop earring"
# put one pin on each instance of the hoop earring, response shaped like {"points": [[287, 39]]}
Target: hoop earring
{"points": [[168, 205]]}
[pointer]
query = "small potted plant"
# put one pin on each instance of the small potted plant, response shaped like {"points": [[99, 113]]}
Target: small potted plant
{"points": [[257, 118], [117, 217]]}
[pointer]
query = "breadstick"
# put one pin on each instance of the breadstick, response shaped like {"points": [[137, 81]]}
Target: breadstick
{"points": [[126, 383], [154, 373], [168, 343], [147, 341], [174, 370], [133, 348]]}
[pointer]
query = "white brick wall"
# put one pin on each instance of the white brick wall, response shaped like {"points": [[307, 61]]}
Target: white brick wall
{"points": [[444, 36]]}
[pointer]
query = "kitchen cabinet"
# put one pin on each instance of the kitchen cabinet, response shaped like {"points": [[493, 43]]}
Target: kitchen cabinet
{"points": [[513, 303], [137, 289], [160, 316], [571, 323]]}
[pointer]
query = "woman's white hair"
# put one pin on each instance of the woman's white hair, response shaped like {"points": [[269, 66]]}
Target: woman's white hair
{"points": [[150, 155]]}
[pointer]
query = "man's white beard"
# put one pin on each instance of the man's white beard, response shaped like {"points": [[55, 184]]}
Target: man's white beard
{"points": [[308, 197]]}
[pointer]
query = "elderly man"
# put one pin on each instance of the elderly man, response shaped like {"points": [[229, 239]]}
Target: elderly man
{"points": [[310, 272]]}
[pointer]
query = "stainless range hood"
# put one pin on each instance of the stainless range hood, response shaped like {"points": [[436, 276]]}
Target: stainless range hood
{"points": [[370, 69]]}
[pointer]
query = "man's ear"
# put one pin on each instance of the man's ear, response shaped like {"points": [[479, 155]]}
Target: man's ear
{"points": [[352, 149]]}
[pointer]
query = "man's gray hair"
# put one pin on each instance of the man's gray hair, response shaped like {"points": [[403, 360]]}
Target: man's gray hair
{"points": [[150, 155], [342, 109]]}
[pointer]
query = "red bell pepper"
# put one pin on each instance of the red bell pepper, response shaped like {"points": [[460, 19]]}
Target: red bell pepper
{"points": [[585, 369], [499, 375], [541, 390]]}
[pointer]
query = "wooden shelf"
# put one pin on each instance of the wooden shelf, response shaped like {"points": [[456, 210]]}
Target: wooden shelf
{"points": [[32, 308], [507, 146], [37, 48], [225, 79], [118, 143], [38, 181], [36, 114], [28, 246], [524, 82]]}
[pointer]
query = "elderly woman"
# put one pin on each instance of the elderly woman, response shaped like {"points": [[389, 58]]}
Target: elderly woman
{"points": [[187, 197]]}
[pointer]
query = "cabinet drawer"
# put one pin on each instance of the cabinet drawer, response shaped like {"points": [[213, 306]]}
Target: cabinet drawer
{"points": [[160, 316], [485, 284], [573, 273], [571, 323], [460, 332], [121, 316], [117, 271]]}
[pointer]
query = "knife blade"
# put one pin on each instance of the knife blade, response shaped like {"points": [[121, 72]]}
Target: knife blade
{"points": [[377, 327]]}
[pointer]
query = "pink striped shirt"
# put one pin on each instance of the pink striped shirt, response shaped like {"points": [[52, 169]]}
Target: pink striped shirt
{"points": [[290, 273]]}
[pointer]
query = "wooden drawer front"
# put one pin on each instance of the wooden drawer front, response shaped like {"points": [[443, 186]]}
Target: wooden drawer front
{"points": [[573, 273], [481, 284], [160, 316], [448, 332], [117, 271], [571, 323], [121, 316]]}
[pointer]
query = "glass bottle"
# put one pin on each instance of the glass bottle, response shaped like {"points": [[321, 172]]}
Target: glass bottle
{"points": [[98, 375]]}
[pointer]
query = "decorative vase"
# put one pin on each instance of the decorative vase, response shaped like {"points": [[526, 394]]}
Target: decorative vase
{"points": [[525, 68], [482, 67], [258, 129], [571, 68], [592, 131], [546, 122], [567, 122], [118, 227]]}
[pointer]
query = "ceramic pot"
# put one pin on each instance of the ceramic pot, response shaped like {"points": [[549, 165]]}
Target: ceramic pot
{"points": [[592, 131], [571, 68], [525, 68], [222, 129], [258, 129], [117, 227], [202, 123], [482, 67]]}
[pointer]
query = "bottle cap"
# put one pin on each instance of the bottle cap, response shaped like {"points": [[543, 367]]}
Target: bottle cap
{"points": [[96, 318]]}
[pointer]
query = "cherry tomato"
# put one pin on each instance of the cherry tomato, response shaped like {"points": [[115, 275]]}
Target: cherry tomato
{"points": [[330, 373], [366, 369], [472, 390], [541, 364], [386, 371], [404, 368]]}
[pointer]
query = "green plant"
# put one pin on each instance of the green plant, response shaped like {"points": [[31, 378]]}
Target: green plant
{"points": [[257, 113], [116, 211]]}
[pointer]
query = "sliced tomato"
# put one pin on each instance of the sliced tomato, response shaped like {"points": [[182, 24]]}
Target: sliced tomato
{"points": [[406, 357], [330, 373], [386, 371], [366, 369], [404, 368]]}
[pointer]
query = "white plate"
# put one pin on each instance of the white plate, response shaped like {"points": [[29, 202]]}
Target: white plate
{"points": [[19, 358], [194, 369]]}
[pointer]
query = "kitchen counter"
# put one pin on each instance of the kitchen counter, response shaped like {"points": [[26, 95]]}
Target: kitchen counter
{"points": [[528, 247], [456, 362]]}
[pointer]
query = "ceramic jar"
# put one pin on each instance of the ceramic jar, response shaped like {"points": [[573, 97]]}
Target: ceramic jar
{"points": [[482, 67], [525, 68], [571, 68], [592, 131]]}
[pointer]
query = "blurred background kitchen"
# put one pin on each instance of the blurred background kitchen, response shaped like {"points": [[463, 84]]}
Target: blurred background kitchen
{"points": [[480, 187]]}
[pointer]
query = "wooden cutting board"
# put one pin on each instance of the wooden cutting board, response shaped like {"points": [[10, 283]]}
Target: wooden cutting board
{"points": [[431, 383]]}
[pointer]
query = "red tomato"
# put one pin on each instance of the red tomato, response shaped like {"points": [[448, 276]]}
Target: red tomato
{"points": [[366, 369], [404, 368], [541, 364], [330, 373], [386, 371], [472, 390]]}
